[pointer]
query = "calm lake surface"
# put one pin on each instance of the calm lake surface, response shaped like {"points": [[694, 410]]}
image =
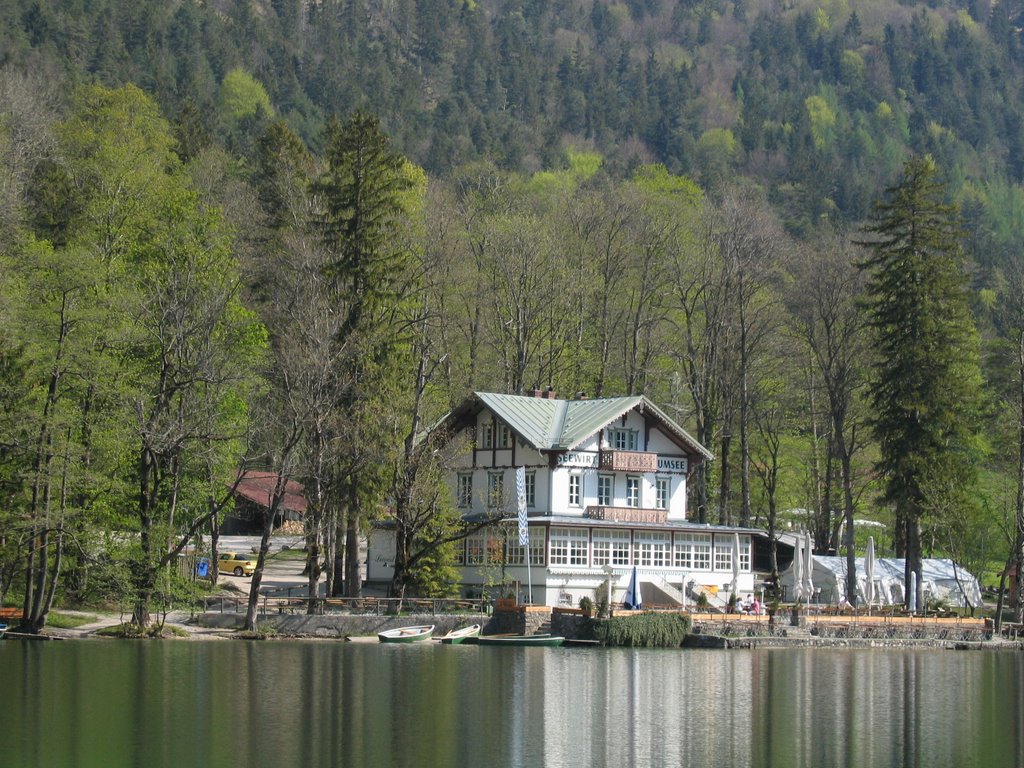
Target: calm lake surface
{"points": [[279, 703]]}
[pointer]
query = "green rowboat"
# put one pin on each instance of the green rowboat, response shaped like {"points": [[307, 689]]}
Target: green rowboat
{"points": [[415, 634], [544, 641], [456, 636]]}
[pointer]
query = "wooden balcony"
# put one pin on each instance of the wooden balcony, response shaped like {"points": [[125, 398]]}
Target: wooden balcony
{"points": [[629, 461], [627, 514]]}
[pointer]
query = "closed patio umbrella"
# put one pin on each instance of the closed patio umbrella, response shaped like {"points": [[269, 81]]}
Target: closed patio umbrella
{"points": [[798, 571], [633, 601], [869, 573], [735, 563], [808, 567]]}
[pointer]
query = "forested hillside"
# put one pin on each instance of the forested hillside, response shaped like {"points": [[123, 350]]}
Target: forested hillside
{"points": [[290, 235], [818, 102]]}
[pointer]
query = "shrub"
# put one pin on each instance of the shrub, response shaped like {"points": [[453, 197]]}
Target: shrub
{"points": [[648, 630]]}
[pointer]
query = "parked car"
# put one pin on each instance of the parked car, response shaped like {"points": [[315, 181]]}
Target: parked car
{"points": [[236, 563]]}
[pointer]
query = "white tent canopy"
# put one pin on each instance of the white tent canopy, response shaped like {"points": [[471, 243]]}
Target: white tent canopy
{"points": [[942, 579]]}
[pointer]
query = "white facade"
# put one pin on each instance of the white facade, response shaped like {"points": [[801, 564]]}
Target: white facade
{"points": [[484, 480], [606, 492]]}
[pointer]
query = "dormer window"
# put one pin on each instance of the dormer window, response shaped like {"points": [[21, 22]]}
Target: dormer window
{"points": [[622, 439]]}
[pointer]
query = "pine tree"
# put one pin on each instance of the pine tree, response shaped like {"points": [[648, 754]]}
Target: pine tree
{"points": [[367, 192], [926, 378]]}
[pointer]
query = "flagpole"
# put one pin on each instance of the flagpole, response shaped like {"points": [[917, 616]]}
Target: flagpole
{"points": [[524, 527]]}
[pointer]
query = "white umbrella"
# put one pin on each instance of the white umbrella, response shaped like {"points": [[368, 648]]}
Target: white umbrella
{"points": [[912, 595], [869, 572], [808, 566], [798, 572], [735, 563], [633, 601]]}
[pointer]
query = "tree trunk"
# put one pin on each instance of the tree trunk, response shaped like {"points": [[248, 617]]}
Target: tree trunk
{"points": [[353, 578], [257, 576], [338, 582]]}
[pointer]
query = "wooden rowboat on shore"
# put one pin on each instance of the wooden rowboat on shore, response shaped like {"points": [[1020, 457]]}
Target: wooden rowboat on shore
{"points": [[414, 634], [456, 636]]}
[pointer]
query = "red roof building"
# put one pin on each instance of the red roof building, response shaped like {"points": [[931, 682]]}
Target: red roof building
{"points": [[254, 495]]}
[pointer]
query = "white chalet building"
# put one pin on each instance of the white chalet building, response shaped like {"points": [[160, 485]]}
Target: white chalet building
{"points": [[605, 492]]}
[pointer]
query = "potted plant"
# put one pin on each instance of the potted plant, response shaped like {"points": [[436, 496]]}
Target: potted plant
{"points": [[702, 602], [587, 606]]}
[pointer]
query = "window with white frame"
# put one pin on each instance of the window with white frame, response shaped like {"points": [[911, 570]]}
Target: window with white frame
{"points": [[604, 545], [538, 545], [504, 437], [517, 553], [531, 488], [745, 554], [661, 488], [651, 548], [622, 548], [569, 546], [723, 554], [464, 490], [692, 551], [476, 548], [575, 490], [495, 489], [487, 435], [610, 547], [495, 547], [605, 485], [622, 439], [632, 491]]}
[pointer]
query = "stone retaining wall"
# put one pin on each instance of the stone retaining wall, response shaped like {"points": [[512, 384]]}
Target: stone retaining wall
{"points": [[571, 625], [340, 626]]}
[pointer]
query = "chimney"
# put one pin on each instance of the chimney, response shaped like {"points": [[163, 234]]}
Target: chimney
{"points": [[550, 394], [581, 395], [537, 392]]}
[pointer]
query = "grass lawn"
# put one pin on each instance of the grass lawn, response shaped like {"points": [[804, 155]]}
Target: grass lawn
{"points": [[69, 620]]}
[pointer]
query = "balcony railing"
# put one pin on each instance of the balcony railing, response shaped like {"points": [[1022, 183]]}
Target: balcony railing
{"points": [[629, 461], [627, 514]]}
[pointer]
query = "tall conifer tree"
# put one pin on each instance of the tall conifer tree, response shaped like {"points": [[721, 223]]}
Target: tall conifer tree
{"points": [[926, 378]]}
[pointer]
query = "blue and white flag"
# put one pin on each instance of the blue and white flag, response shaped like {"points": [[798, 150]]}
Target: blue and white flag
{"points": [[524, 530]]}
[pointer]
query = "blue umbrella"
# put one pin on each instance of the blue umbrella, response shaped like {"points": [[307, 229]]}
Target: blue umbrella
{"points": [[633, 600]]}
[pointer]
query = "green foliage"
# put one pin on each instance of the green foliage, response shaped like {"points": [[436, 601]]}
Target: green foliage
{"points": [[364, 191], [243, 96], [647, 630], [925, 390]]}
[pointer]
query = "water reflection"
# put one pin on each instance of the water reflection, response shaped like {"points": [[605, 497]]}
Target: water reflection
{"points": [[333, 704]]}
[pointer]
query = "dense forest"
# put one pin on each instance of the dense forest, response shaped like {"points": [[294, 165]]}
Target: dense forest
{"points": [[290, 235]]}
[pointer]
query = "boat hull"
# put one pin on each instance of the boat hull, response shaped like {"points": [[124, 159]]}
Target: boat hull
{"points": [[416, 634], [458, 636], [543, 641]]}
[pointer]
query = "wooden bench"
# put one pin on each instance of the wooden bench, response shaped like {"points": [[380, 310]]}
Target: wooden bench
{"points": [[8, 614]]}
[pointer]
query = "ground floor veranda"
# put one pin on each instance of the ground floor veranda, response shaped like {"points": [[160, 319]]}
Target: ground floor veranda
{"points": [[567, 558]]}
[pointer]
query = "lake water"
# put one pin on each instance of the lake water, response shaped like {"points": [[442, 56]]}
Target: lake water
{"points": [[294, 703]]}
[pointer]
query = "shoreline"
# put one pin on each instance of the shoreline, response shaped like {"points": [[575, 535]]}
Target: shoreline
{"points": [[708, 631]]}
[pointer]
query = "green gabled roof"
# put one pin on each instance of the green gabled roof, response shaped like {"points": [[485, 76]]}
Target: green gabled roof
{"points": [[585, 417], [535, 419], [561, 425]]}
